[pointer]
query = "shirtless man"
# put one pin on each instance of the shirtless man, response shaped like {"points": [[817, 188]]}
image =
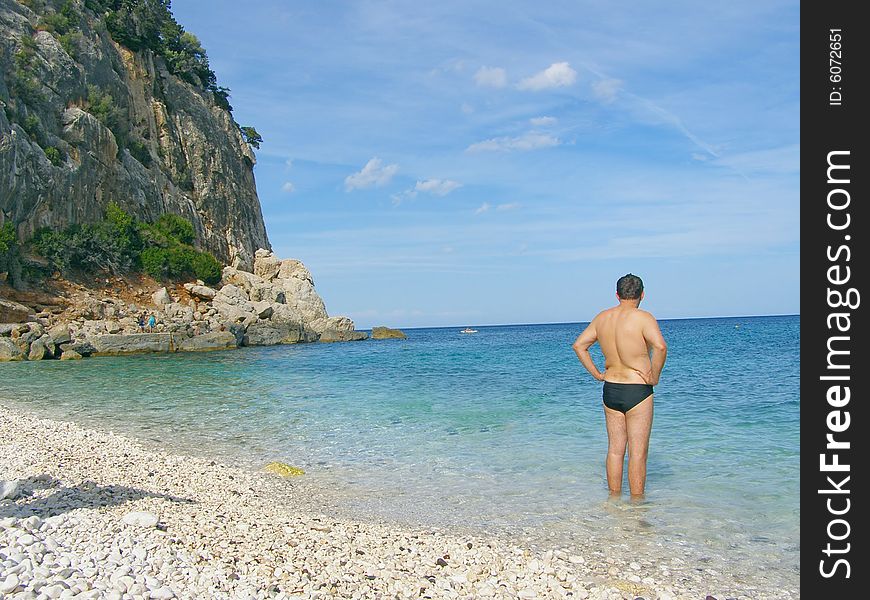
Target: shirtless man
{"points": [[634, 355]]}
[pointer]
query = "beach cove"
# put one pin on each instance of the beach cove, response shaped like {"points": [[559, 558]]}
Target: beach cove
{"points": [[411, 454]]}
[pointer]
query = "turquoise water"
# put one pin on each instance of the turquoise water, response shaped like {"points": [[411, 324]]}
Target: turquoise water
{"points": [[502, 430]]}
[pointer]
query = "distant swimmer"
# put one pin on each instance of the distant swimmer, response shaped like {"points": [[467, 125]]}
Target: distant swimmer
{"points": [[634, 356]]}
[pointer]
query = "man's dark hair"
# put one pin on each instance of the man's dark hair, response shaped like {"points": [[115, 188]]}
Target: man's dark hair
{"points": [[629, 287]]}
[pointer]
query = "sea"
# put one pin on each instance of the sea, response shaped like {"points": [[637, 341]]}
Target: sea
{"points": [[501, 431]]}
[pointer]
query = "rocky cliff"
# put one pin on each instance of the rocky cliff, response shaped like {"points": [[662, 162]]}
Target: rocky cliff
{"points": [[87, 121]]}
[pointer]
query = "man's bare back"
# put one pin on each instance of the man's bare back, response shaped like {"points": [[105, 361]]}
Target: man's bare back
{"points": [[626, 335], [634, 356]]}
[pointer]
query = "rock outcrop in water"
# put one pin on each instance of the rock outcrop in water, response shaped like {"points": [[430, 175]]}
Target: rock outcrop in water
{"points": [[278, 306], [86, 121]]}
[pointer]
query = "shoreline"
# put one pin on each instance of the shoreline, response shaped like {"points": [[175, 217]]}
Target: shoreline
{"points": [[230, 532]]}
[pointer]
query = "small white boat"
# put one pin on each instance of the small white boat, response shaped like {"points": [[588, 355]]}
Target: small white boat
{"points": [[468, 330]]}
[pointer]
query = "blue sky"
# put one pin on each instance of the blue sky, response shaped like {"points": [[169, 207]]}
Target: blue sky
{"points": [[467, 163]]}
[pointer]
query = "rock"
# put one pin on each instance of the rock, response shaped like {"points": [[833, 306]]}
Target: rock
{"points": [[41, 348], [239, 278], [266, 265], [9, 490], [271, 333], [343, 336], [9, 350], [60, 334], [292, 268], [283, 469], [338, 329], [130, 343], [300, 294], [140, 519], [9, 584], [263, 309], [70, 354], [215, 340], [200, 291], [113, 326], [385, 333], [161, 296], [13, 312], [267, 292], [13, 329], [83, 347]]}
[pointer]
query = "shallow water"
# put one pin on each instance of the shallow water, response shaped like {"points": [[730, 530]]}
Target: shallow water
{"points": [[500, 431]]}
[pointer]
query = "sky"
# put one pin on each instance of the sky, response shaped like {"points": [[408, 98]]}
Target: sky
{"points": [[471, 163]]}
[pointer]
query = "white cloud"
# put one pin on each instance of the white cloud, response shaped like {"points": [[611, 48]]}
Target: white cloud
{"points": [[543, 121], [466, 108], [528, 141], [373, 174], [486, 207], [606, 90], [491, 77], [289, 162], [288, 187], [438, 187], [556, 75]]}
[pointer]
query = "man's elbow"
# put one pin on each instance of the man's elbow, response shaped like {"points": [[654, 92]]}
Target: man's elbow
{"points": [[661, 346], [579, 346]]}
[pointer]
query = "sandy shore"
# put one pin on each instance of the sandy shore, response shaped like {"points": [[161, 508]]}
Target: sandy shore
{"points": [[97, 515]]}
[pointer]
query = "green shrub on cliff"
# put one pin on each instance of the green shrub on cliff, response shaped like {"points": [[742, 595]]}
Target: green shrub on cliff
{"points": [[179, 262], [121, 243]]}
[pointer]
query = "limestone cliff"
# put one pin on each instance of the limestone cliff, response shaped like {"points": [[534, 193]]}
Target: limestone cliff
{"points": [[87, 121]]}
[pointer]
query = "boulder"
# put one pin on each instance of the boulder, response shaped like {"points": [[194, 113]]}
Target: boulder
{"points": [[267, 291], [13, 312], [13, 329], [113, 327], [161, 297], [239, 278], [292, 268], [215, 340], [70, 354], [263, 309], [83, 347], [110, 344], [9, 350], [266, 264], [41, 348], [270, 333], [331, 335], [60, 334], [200, 291], [386, 333], [300, 295]]}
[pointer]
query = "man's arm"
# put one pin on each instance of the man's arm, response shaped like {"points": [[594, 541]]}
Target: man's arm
{"points": [[652, 335], [581, 348]]}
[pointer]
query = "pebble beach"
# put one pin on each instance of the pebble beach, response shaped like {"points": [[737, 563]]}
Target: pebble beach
{"points": [[91, 514]]}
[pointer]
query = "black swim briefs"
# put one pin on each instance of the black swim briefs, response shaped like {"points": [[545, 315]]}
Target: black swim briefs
{"points": [[625, 396]]}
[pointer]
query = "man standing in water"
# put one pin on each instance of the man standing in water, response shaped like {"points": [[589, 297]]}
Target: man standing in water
{"points": [[634, 355]]}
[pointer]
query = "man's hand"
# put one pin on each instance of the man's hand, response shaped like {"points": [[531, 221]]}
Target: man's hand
{"points": [[647, 376]]}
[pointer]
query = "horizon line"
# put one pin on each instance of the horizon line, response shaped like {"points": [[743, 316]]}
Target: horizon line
{"points": [[579, 322]]}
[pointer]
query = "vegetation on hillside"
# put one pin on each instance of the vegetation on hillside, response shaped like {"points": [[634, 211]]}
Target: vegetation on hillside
{"points": [[121, 243], [136, 24]]}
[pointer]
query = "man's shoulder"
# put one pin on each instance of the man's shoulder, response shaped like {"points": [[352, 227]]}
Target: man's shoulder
{"points": [[645, 314]]}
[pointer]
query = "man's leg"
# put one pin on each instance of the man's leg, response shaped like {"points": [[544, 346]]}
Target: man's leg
{"points": [[638, 424], [616, 439]]}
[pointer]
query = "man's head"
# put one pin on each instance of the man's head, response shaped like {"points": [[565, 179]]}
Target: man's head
{"points": [[629, 287]]}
